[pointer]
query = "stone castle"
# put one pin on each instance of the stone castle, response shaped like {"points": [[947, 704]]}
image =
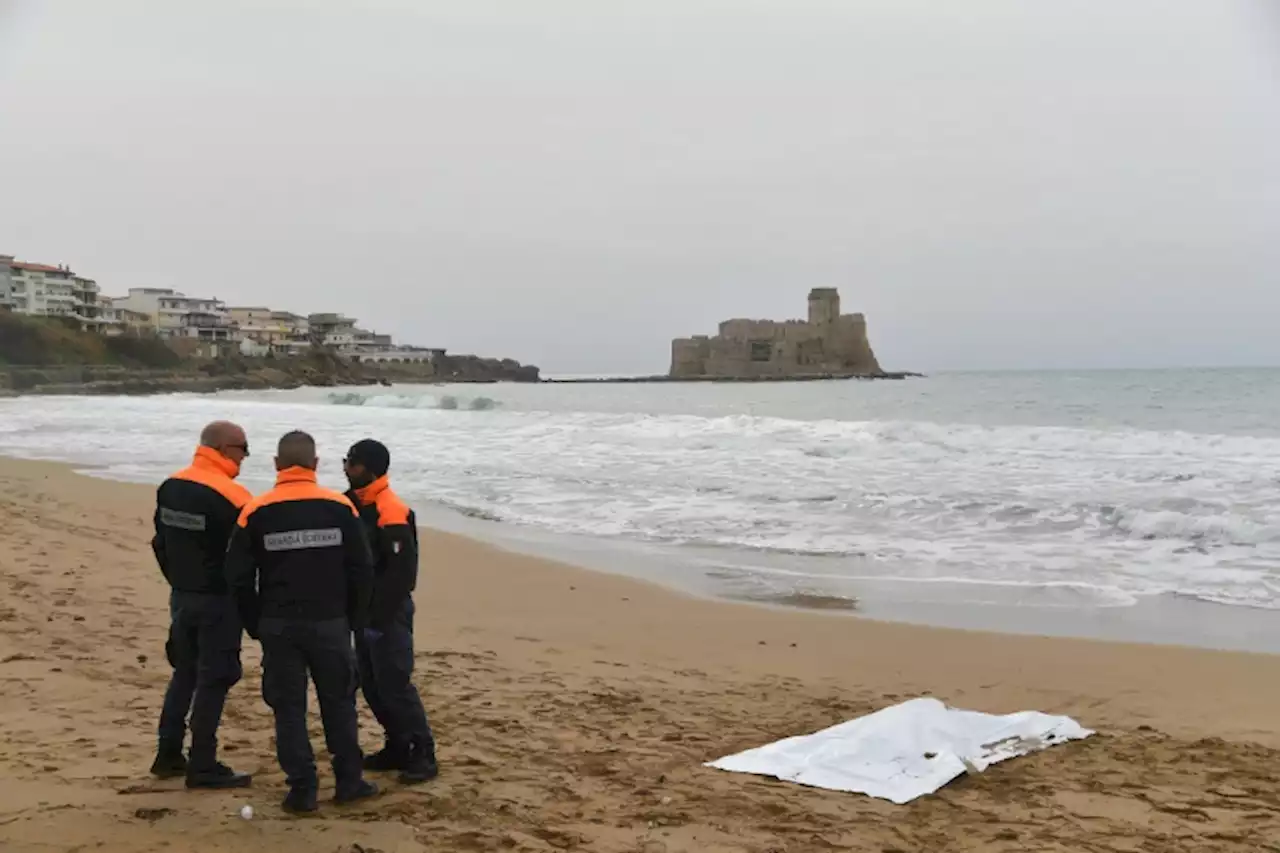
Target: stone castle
{"points": [[827, 344]]}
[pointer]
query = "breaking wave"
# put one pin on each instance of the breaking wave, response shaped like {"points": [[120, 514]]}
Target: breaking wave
{"points": [[1076, 507], [412, 401]]}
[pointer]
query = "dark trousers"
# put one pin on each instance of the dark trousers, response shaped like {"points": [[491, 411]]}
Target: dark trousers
{"points": [[292, 650], [204, 650], [385, 655]]}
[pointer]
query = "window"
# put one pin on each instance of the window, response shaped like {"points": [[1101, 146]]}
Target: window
{"points": [[761, 351]]}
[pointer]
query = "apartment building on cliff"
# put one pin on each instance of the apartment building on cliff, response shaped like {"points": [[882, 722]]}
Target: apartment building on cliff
{"points": [[176, 315], [267, 331], [46, 290], [343, 335], [123, 321], [268, 325], [827, 343], [193, 324]]}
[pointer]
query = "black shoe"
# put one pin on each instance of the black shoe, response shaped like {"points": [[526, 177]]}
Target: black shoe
{"points": [[387, 759], [300, 801], [362, 791], [419, 771], [219, 777], [169, 765]]}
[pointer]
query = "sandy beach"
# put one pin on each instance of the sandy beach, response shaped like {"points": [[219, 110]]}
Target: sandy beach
{"points": [[574, 710]]}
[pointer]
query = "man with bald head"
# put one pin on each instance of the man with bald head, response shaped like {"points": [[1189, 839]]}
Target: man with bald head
{"points": [[196, 511], [301, 574]]}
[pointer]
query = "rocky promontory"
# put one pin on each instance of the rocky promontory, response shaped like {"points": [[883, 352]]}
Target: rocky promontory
{"points": [[318, 369]]}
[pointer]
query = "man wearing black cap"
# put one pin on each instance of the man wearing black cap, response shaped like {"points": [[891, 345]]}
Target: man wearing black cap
{"points": [[384, 649]]}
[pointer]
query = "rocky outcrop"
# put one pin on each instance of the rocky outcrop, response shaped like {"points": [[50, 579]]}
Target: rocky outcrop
{"points": [[471, 368]]}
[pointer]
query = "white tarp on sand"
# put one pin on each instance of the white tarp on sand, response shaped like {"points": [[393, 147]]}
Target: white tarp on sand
{"points": [[904, 751]]}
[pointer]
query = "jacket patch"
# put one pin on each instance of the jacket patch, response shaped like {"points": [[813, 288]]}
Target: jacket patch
{"points": [[296, 540], [182, 520]]}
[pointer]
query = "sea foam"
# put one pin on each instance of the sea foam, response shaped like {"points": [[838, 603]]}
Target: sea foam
{"points": [[1121, 511]]}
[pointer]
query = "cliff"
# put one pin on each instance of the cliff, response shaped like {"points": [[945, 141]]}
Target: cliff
{"points": [[44, 357]]}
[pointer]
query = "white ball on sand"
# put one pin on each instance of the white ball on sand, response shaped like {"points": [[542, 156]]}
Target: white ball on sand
{"points": [[246, 812]]}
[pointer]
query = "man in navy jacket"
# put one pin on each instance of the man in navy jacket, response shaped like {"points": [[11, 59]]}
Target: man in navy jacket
{"points": [[384, 649]]}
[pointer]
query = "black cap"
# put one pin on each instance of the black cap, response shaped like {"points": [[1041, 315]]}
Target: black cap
{"points": [[373, 455]]}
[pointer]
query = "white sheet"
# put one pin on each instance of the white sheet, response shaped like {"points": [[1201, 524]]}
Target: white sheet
{"points": [[904, 751]]}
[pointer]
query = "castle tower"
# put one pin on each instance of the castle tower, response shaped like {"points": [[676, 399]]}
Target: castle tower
{"points": [[824, 305]]}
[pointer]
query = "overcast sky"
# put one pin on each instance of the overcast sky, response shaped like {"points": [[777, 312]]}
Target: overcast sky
{"points": [[574, 182]]}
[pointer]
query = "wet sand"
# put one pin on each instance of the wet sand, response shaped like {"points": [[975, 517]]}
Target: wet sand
{"points": [[574, 709], [726, 574]]}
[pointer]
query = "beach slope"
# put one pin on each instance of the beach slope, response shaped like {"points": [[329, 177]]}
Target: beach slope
{"points": [[574, 711]]}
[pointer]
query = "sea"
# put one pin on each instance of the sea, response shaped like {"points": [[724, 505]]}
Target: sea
{"points": [[1137, 505]]}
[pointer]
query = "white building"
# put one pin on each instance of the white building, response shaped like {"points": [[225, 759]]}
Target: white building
{"points": [[122, 321], [366, 341], [333, 330], [6, 283], [42, 290], [176, 315], [340, 333], [253, 348]]}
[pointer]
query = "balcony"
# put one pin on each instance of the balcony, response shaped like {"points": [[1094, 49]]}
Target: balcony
{"points": [[203, 320], [208, 326]]}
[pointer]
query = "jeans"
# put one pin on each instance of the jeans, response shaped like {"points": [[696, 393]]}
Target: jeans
{"points": [[204, 650], [385, 656], [292, 650]]}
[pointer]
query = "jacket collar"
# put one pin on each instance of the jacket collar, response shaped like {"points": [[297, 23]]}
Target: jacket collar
{"points": [[295, 474], [368, 494], [209, 459]]}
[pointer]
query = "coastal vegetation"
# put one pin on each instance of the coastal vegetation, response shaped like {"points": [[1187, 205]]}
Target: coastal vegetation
{"points": [[43, 341], [48, 356]]}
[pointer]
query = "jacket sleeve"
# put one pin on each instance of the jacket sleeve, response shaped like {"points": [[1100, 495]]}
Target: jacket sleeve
{"points": [[228, 515], [359, 565], [157, 545], [399, 555], [241, 571]]}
